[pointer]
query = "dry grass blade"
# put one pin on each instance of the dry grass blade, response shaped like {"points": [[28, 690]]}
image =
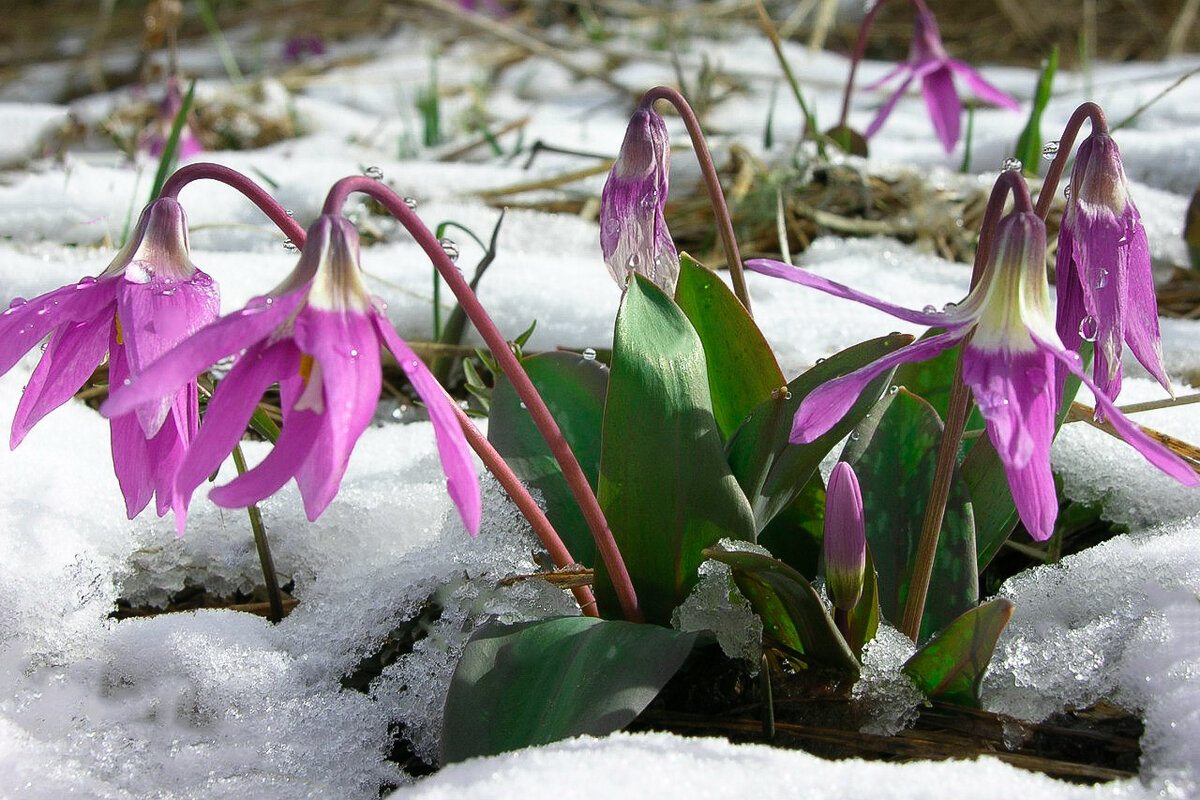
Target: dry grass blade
{"points": [[1188, 452]]}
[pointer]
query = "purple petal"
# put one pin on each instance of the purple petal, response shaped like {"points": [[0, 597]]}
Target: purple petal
{"points": [[898, 69], [1153, 452], [26, 324], [132, 463], [982, 89], [777, 269], [884, 112], [229, 411], [72, 354], [297, 439], [945, 109], [821, 408], [1141, 305], [461, 481], [226, 336], [1102, 275], [1014, 392]]}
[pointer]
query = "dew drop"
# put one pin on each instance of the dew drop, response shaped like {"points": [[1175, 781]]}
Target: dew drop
{"points": [[353, 353], [17, 302], [290, 246], [414, 364], [946, 309], [85, 281], [1088, 328], [411, 202], [893, 389], [449, 248], [1101, 279], [127, 381], [1050, 150], [523, 404], [589, 354], [259, 303], [929, 310], [855, 436], [819, 360], [379, 305], [1067, 191], [635, 261], [374, 173], [1011, 165]]}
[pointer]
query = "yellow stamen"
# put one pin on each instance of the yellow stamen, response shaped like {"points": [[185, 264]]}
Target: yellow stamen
{"points": [[306, 364], [120, 338]]}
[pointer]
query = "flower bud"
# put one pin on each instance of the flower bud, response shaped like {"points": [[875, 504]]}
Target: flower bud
{"points": [[845, 543]]}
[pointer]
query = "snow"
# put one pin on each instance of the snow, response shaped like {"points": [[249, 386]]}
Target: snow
{"points": [[216, 703]]}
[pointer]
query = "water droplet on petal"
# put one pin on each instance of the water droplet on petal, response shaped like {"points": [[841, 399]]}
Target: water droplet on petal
{"points": [[414, 363], [449, 247], [1067, 191], [374, 173], [259, 303], [589, 354], [1101, 278], [353, 353], [946, 309], [85, 281], [929, 310], [1088, 328], [127, 381], [379, 305], [1011, 165], [16, 302], [635, 261], [1050, 150]]}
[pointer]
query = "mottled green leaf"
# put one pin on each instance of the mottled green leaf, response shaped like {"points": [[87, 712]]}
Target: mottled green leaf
{"points": [[742, 371], [574, 389], [950, 667], [791, 610], [665, 486], [538, 682]]}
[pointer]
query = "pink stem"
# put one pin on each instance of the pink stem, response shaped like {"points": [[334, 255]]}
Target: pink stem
{"points": [[712, 182], [1058, 166], [231, 177], [606, 545]]}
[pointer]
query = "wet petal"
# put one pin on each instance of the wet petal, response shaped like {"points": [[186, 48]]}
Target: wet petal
{"points": [[297, 439], [461, 481], [132, 463], [24, 325], [1153, 452], [1141, 306], [945, 109], [884, 112], [1102, 273], [226, 336], [982, 89], [954, 317], [821, 409], [72, 354]]}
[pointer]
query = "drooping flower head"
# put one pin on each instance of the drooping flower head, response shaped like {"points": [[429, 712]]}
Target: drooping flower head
{"points": [[318, 336], [845, 540], [1008, 362], [928, 62], [149, 299], [1105, 286], [633, 231]]}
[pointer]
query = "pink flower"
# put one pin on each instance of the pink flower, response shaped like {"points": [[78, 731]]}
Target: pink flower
{"points": [[149, 299], [845, 540], [318, 335], [1008, 362], [172, 103], [928, 61], [633, 230], [1105, 286]]}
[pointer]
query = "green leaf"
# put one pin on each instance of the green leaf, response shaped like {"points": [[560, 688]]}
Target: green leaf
{"points": [[770, 469], [742, 371], [538, 682], [664, 485], [951, 666], [1029, 144], [791, 610], [895, 472], [794, 535], [574, 388], [864, 617], [169, 156]]}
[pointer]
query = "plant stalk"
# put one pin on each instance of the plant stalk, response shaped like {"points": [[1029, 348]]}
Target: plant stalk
{"points": [[1065, 144], [274, 597], [712, 183], [606, 545], [236, 180]]}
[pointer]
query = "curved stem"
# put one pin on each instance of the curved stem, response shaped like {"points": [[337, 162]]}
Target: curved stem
{"points": [[606, 546], [711, 182], [956, 416], [860, 45], [236, 180], [1065, 143], [525, 504]]}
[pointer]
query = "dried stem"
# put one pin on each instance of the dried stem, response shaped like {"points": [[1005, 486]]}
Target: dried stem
{"points": [[712, 183], [606, 545]]}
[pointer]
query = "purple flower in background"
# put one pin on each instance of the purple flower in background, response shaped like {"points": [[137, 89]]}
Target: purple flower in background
{"points": [[928, 61], [149, 299], [172, 103], [299, 48], [1105, 286], [633, 232], [845, 541], [1008, 362], [318, 335]]}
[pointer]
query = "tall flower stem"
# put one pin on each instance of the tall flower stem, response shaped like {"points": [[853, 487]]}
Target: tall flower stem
{"points": [[526, 505], [1065, 144], [712, 182], [236, 180], [956, 419], [274, 597], [606, 545]]}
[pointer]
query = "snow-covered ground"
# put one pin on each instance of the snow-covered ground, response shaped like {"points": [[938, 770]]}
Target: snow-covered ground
{"points": [[223, 704]]}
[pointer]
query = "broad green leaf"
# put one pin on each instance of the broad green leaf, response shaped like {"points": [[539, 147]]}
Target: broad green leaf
{"points": [[864, 617], [538, 682], [772, 470], [664, 485], [849, 140], [573, 388], [1029, 144], [950, 667], [742, 371], [791, 610], [895, 471]]}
